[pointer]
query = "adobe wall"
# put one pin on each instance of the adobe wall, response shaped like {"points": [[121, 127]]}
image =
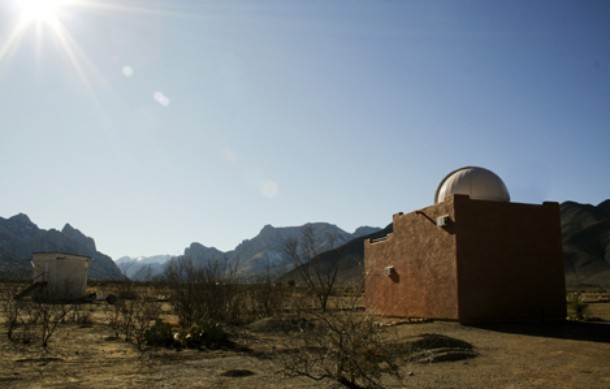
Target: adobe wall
{"points": [[423, 256], [509, 261]]}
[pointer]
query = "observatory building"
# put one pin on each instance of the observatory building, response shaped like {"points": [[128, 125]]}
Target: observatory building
{"points": [[473, 256]]}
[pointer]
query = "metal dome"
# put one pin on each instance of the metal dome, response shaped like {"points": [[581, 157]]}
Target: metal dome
{"points": [[476, 182]]}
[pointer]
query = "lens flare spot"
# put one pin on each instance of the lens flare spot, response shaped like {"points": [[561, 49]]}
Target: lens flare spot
{"points": [[270, 189], [160, 98], [127, 71], [229, 155]]}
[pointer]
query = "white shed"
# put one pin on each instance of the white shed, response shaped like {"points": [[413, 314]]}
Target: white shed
{"points": [[64, 275]]}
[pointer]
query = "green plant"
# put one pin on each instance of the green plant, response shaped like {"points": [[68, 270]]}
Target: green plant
{"points": [[578, 307]]}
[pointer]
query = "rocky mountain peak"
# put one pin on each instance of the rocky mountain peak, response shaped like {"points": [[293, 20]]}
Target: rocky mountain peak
{"points": [[20, 238], [20, 222], [74, 234], [604, 207]]}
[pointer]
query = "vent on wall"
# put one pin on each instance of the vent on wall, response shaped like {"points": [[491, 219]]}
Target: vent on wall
{"points": [[443, 221], [389, 270]]}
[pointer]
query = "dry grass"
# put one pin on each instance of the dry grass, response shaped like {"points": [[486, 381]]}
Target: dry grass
{"points": [[436, 355]]}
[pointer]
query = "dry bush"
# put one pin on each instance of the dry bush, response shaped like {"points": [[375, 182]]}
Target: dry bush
{"points": [[578, 308], [48, 316], [208, 292], [266, 297], [10, 312], [132, 318], [81, 314], [341, 344], [319, 279], [146, 310], [26, 320]]}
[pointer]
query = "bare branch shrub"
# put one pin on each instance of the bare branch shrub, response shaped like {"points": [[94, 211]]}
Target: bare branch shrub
{"points": [[48, 316], [207, 292], [22, 317], [112, 311], [318, 278], [80, 314], [131, 318], [266, 296], [343, 345], [10, 311], [146, 310]]}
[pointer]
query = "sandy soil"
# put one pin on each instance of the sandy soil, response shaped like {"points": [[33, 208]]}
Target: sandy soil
{"points": [[565, 355]]}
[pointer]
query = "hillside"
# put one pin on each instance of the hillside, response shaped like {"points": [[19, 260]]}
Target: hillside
{"points": [[585, 236], [142, 268], [586, 242], [264, 254], [19, 238]]}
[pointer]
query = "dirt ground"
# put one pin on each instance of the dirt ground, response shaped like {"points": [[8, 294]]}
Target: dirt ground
{"points": [[561, 355]]}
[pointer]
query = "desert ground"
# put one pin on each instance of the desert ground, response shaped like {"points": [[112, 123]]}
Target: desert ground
{"points": [[570, 354]]}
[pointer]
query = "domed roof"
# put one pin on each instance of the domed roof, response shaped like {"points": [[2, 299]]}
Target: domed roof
{"points": [[476, 182]]}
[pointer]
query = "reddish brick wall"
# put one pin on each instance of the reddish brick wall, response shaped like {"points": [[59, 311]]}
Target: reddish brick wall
{"points": [[423, 255], [496, 261], [509, 261]]}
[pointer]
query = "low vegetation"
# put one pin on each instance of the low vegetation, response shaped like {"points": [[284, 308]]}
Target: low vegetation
{"points": [[203, 309], [578, 308]]}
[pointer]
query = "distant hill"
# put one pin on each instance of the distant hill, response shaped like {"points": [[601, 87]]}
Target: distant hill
{"points": [[585, 236], [347, 258], [142, 268], [586, 242], [264, 254], [20, 238]]}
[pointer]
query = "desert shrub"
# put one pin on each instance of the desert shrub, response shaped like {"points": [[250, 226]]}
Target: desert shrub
{"points": [[577, 307], [159, 334], [201, 335], [48, 317], [343, 345], [27, 320], [266, 297], [11, 312], [112, 311], [80, 314], [210, 291], [145, 311], [305, 256], [132, 319]]}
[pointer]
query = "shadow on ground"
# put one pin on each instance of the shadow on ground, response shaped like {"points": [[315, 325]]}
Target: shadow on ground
{"points": [[433, 348], [574, 330]]}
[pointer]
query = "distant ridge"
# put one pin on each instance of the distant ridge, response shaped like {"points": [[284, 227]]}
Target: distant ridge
{"points": [[263, 254], [585, 236], [586, 242], [20, 238]]}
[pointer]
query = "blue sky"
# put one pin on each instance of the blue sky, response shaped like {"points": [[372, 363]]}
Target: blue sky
{"points": [[150, 124]]}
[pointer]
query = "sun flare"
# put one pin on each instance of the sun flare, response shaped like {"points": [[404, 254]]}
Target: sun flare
{"points": [[45, 11]]}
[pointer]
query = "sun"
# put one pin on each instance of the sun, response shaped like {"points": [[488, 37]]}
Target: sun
{"points": [[39, 10]]}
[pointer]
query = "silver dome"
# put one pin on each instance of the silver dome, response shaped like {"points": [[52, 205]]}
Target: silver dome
{"points": [[476, 182]]}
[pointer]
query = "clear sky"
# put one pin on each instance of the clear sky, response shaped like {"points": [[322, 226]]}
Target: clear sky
{"points": [[151, 124]]}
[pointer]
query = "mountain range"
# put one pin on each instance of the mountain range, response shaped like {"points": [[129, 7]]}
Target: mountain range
{"points": [[20, 238], [255, 258], [585, 235]]}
